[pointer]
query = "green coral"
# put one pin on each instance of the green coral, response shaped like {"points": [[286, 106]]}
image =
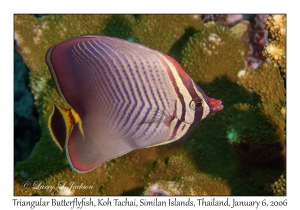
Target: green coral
{"points": [[164, 32], [257, 142], [204, 51], [257, 131], [213, 56], [264, 81], [267, 82]]}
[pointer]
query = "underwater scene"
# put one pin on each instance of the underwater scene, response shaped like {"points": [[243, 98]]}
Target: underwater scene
{"points": [[229, 138]]}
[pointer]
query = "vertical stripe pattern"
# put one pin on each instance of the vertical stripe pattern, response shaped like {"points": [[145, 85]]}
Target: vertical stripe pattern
{"points": [[128, 96]]}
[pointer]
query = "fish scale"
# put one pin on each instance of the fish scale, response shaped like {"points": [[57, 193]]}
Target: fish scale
{"points": [[124, 96]]}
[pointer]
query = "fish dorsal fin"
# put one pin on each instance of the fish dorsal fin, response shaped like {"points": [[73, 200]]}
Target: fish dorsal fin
{"points": [[60, 125]]}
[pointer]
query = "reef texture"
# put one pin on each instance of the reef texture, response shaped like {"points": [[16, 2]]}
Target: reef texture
{"points": [[276, 49], [217, 42], [238, 151], [279, 186], [186, 186]]}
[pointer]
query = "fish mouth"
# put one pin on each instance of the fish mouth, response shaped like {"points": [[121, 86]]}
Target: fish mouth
{"points": [[215, 105]]}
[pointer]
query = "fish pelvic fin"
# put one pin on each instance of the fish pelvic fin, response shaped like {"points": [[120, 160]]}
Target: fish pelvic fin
{"points": [[60, 124], [78, 120]]}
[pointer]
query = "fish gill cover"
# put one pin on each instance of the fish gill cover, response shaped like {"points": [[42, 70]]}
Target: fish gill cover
{"points": [[246, 156]]}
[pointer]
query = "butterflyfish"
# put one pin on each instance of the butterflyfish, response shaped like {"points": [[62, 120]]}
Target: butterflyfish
{"points": [[123, 96]]}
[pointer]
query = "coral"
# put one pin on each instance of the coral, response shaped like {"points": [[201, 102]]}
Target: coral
{"points": [[276, 49], [207, 186], [252, 31], [257, 39], [223, 19], [65, 191], [257, 132], [279, 186], [204, 50], [255, 139], [241, 28], [164, 34], [202, 162], [269, 85], [162, 188], [233, 136], [265, 82]]}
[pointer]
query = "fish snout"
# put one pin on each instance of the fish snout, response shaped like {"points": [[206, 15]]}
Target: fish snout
{"points": [[215, 105]]}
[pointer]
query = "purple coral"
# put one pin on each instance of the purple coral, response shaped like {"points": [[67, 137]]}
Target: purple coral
{"points": [[156, 190], [257, 41]]}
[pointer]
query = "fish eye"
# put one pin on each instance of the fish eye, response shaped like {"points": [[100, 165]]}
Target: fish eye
{"points": [[196, 104]]}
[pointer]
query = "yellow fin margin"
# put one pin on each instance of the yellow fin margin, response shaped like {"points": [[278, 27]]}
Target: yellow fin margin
{"points": [[163, 143], [69, 122], [59, 118], [78, 120]]}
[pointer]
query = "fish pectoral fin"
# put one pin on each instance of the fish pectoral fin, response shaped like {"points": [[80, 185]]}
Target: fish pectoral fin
{"points": [[155, 117], [78, 121], [60, 125]]}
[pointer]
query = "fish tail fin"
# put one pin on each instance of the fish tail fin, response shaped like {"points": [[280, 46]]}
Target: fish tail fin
{"points": [[60, 125]]}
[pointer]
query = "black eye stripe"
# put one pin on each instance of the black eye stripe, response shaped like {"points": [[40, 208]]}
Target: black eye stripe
{"points": [[196, 104]]}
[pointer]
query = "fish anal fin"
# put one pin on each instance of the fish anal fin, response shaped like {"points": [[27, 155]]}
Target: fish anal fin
{"points": [[163, 143], [98, 147]]}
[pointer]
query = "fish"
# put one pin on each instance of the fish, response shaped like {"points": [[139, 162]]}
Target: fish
{"points": [[123, 96]]}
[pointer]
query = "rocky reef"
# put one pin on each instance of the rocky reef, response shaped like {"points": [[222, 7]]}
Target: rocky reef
{"points": [[238, 151]]}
